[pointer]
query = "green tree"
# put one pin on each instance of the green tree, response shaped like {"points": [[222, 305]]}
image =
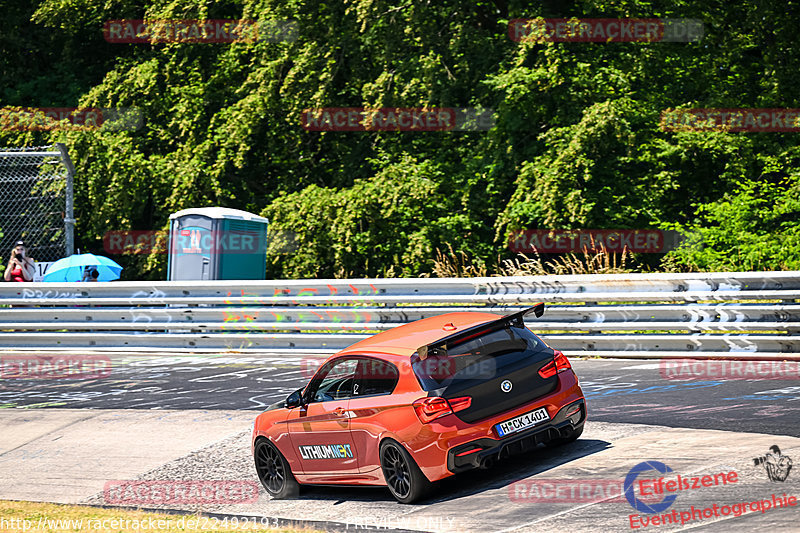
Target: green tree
{"points": [[751, 228], [577, 141]]}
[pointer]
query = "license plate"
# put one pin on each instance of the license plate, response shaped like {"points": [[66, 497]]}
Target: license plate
{"points": [[522, 422]]}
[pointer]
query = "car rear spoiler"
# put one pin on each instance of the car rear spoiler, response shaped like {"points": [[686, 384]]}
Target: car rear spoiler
{"points": [[516, 319]]}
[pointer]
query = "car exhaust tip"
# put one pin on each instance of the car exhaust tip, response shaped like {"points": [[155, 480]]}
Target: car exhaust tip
{"points": [[488, 463]]}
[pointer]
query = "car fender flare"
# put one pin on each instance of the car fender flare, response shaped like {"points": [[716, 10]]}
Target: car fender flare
{"points": [[260, 438], [388, 435], [385, 436]]}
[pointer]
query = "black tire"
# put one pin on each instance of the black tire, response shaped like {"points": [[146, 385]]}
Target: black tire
{"points": [[403, 477], [571, 437], [274, 472]]}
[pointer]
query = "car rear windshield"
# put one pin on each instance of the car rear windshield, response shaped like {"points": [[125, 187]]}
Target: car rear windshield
{"points": [[481, 358]]}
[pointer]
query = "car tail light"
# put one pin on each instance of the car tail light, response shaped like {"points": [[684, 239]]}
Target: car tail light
{"points": [[428, 409], [560, 363], [459, 404], [431, 408]]}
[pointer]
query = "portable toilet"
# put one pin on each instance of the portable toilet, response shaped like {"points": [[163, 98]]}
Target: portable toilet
{"points": [[217, 243]]}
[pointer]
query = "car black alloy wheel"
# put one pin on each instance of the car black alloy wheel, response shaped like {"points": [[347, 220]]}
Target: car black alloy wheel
{"points": [[270, 468], [397, 471], [273, 471], [405, 480]]}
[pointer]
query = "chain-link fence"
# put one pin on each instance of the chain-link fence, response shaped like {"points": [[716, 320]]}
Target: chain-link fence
{"points": [[36, 201]]}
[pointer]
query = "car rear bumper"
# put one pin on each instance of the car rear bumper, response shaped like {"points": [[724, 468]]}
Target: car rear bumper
{"points": [[484, 452]]}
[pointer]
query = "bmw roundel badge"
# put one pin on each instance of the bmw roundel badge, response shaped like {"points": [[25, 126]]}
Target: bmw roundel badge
{"points": [[506, 386]]}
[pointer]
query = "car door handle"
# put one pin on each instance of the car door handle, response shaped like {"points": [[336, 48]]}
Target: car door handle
{"points": [[339, 411]]}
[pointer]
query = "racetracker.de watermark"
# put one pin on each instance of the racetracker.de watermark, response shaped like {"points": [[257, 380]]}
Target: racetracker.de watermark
{"points": [[731, 120], [199, 31], [440, 369], [70, 118], [161, 492], [626, 30], [567, 490], [650, 491], [684, 369], [124, 523], [413, 119], [55, 367], [593, 240], [414, 523], [184, 242]]}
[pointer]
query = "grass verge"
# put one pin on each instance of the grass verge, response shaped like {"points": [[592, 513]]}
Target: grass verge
{"points": [[56, 518]]}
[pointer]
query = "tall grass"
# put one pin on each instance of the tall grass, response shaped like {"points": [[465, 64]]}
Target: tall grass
{"points": [[459, 265]]}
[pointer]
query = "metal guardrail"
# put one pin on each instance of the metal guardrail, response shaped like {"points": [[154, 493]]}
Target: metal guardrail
{"points": [[743, 314]]}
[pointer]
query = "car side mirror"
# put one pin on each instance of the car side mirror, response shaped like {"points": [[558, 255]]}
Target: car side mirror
{"points": [[295, 399]]}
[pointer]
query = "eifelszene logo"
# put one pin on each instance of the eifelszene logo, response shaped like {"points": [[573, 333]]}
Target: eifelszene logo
{"points": [[669, 487], [630, 495]]}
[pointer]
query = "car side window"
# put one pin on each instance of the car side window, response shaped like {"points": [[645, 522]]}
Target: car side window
{"points": [[376, 377], [335, 381]]}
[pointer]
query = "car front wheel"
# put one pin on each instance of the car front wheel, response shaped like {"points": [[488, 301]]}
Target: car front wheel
{"points": [[273, 471], [405, 480]]}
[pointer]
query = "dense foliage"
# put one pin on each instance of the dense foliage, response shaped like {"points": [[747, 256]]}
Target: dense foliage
{"points": [[576, 144]]}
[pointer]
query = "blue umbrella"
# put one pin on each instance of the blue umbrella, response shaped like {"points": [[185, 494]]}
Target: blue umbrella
{"points": [[71, 268]]}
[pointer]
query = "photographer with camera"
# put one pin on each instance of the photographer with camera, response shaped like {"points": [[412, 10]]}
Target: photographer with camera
{"points": [[20, 266], [775, 463], [90, 273]]}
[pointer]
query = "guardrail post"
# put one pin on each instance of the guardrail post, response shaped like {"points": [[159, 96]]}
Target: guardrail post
{"points": [[69, 218]]}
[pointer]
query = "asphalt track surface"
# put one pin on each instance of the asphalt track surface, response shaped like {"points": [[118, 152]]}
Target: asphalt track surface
{"points": [[168, 418], [620, 391]]}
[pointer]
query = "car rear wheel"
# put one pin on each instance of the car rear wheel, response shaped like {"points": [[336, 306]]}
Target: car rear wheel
{"points": [[405, 480], [274, 472]]}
